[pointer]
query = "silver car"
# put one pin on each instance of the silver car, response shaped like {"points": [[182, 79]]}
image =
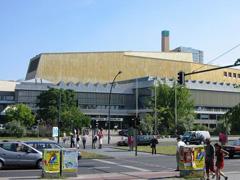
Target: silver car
{"points": [[19, 154]]}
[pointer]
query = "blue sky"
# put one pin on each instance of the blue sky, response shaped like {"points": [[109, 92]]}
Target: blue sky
{"points": [[30, 27]]}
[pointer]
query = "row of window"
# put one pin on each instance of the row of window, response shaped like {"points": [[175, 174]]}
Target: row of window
{"points": [[6, 98], [230, 74], [86, 106]]}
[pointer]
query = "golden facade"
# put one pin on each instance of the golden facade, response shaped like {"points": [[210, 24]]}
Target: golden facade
{"points": [[103, 66]]}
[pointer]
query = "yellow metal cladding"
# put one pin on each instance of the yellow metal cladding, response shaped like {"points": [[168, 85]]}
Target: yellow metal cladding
{"points": [[103, 66]]}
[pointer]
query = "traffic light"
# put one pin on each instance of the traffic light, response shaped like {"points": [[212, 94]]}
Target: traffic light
{"points": [[137, 121], [181, 78], [94, 124]]}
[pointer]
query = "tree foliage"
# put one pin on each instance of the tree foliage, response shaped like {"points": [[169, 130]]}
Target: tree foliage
{"points": [[230, 123], [166, 109], [21, 113], [146, 124], [15, 128], [71, 117]]}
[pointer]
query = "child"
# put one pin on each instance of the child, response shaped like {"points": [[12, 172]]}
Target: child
{"points": [[220, 153]]}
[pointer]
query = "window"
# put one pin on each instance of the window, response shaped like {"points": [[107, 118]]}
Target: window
{"points": [[229, 74], [234, 75], [238, 75], [225, 74]]}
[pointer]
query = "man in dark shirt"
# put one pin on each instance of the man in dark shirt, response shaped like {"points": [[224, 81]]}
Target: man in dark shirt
{"points": [[209, 158], [153, 144]]}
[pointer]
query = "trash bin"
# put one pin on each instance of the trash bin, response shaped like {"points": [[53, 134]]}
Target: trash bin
{"points": [[192, 161]]}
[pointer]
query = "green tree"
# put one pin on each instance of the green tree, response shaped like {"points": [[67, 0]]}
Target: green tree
{"points": [[49, 104], [146, 124], [166, 109], [71, 116], [21, 113], [230, 122]]}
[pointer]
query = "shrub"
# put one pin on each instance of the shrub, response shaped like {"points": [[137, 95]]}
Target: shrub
{"points": [[14, 128]]}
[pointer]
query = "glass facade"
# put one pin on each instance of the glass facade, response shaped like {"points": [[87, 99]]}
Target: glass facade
{"points": [[197, 54]]}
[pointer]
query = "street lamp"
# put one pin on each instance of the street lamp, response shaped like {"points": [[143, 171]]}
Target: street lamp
{"points": [[156, 84], [109, 103], [59, 114]]}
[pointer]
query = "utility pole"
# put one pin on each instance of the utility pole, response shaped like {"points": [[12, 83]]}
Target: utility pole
{"points": [[109, 104], [136, 116], [59, 114], [175, 107]]}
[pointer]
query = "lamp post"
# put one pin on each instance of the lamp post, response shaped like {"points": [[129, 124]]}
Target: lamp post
{"points": [[59, 114], [175, 107], [109, 103], [155, 106], [59, 111]]}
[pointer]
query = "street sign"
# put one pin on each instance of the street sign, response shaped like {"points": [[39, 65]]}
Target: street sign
{"points": [[55, 132]]}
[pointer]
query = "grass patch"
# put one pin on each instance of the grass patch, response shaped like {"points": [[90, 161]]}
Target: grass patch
{"points": [[167, 150], [90, 155]]}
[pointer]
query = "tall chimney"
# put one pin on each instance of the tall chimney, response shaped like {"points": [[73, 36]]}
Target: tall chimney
{"points": [[165, 41]]}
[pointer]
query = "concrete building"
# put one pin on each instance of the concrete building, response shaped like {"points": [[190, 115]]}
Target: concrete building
{"points": [[7, 94], [89, 74], [211, 99]]}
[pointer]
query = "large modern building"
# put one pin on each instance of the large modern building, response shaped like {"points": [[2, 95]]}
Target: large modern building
{"points": [[90, 75], [101, 67], [196, 54], [211, 99]]}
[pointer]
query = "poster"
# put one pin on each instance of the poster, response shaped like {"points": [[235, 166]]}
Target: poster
{"points": [[51, 160], [192, 161], [55, 132], [70, 161]]}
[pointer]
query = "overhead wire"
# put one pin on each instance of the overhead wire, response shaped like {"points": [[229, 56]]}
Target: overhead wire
{"points": [[214, 59]]}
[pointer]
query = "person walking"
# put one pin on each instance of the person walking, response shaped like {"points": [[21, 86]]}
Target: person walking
{"points": [[220, 153], [94, 141], [84, 140], [209, 158], [100, 137], [153, 144], [72, 143], [180, 144], [78, 141]]}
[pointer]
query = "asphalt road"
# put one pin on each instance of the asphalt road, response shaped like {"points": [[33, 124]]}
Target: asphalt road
{"points": [[119, 164]]}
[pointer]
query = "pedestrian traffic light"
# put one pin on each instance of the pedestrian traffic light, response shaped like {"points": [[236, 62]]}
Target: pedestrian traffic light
{"points": [[181, 78]]}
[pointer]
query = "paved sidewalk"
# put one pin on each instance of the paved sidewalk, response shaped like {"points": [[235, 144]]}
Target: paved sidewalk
{"points": [[130, 175], [145, 175]]}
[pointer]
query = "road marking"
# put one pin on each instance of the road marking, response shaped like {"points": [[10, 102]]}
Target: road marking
{"points": [[231, 172], [135, 168], [21, 177], [121, 165], [19, 170], [107, 162], [100, 167]]}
